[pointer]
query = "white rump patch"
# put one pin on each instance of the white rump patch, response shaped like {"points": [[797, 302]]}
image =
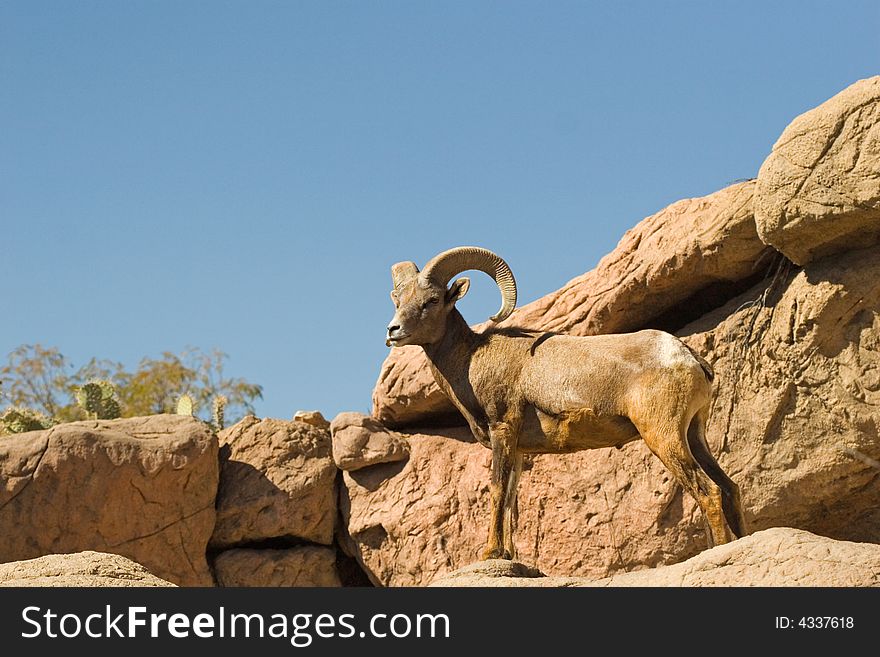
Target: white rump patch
{"points": [[672, 352]]}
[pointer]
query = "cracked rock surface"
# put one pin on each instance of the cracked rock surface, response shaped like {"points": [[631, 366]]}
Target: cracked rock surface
{"points": [[277, 481], [141, 487], [819, 190]]}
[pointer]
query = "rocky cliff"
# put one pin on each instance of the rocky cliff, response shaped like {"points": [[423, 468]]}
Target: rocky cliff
{"points": [[775, 281]]}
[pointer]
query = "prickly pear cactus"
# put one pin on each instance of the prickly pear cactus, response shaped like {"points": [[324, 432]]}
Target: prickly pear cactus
{"points": [[217, 412], [98, 398], [186, 405], [19, 420], [110, 408], [88, 397]]}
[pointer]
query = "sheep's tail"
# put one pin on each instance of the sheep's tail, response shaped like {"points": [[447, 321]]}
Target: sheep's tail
{"points": [[704, 364]]}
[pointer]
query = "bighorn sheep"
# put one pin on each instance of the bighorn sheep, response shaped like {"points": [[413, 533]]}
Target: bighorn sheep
{"points": [[525, 392]]}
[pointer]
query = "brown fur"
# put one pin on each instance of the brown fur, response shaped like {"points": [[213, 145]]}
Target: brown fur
{"points": [[525, 392]]}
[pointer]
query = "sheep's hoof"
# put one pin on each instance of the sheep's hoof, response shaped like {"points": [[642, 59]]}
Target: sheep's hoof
{"points": [[496, 553]]}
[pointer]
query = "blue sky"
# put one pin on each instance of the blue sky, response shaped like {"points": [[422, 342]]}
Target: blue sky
{"points": [[242, 175]]}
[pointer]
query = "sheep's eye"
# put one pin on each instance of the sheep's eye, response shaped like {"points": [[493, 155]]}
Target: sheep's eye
{"points": [[430, 302]]}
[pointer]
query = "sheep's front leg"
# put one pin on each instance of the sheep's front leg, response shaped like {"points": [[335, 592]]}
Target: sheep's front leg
{"points": [[504, 461], [511, 506]]}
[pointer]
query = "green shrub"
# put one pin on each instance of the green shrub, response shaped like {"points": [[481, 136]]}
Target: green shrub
{"points": [[17, 419]]}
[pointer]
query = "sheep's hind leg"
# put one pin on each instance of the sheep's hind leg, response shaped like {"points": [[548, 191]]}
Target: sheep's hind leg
{"points": [[670, 446], [730, 497], [503, 441]]}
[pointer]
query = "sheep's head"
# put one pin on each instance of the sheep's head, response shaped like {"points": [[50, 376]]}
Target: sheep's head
{"points": [[424, 301]]}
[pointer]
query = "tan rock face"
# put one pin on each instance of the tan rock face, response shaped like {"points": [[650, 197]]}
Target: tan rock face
{"points": [[406, 393], [794, 423], [579, 513], [299, 566], [799, 384], [686, 256], [79, 569], [315, 418], [410, 520], [359, 441], [277, 480], [141, 487], [819, 190], [773, 557]]}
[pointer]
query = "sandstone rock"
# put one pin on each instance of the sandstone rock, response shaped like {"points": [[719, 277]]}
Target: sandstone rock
{"points": [[798, 386], [819, 190], [579, 513], [315, 418], [359, 441], [669, 269], [141, 487], [794, 422], [773, 557], [299, 566], [408, 521], [406, 393], [79, 569], [277, 479]]}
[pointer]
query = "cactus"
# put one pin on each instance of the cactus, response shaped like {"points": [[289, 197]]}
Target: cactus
{"points": [[186, 405], [16, 419], [110, 407], [217, 412], [98, 398], [88, 397]]}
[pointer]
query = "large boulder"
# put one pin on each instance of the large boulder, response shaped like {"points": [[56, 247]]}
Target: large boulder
{"points": [[277, 480], [819, 190], [773, 557], [140, 487], [80, 569], [666, 271], [359, 441], [793, 422], [407, 521], [298, 566]]}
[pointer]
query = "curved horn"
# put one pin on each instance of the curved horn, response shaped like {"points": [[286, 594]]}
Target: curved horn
{"points": [[442, 267]]}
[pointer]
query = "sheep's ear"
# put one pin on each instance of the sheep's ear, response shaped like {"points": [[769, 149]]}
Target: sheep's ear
{"points": [[458, 289]]}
